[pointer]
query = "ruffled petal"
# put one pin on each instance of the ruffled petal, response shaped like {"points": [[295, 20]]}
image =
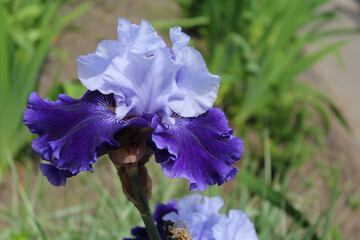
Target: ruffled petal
{"points": [[193, 78], [179, 40], [200, 149], [141, 39], [162, 209], [143, 84], [200, 215], [236, 226], [91, 67], [140, 51], [54, 175], [75, 131]]}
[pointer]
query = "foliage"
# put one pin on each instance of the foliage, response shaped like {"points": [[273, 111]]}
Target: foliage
{"points": [[28, 30], [257, 49], [93, 211]]}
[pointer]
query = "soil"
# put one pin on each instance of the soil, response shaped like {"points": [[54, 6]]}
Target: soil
{"points": [[341, 83], [100, 23]]}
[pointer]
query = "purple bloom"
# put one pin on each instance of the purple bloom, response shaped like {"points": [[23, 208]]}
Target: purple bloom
{"points": [[202, 220], [138, 81], [144, 77]]}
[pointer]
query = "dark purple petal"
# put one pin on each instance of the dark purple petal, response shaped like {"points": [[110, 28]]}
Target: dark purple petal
{"points": [[75, 131], [140, 233], [54, 175], [163, 209], [201, 149], [160, 211]]}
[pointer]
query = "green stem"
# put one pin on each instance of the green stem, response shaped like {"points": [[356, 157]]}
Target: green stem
{"points": [[143, 204]]}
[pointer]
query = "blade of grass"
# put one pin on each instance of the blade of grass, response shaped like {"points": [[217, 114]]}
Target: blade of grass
{"points": [[313, 91], [307, 61], [4, 67], [311, 233], [276, 198]]}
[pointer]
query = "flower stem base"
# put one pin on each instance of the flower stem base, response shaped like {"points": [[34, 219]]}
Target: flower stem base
{"points": [[142, 203]]}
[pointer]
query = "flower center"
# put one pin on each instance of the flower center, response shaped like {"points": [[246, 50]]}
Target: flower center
{"points": [[175, 115], [111, 108], [177, 231]]}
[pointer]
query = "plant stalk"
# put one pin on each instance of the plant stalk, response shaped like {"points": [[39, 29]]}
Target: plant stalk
{"points": [[143, 203]]}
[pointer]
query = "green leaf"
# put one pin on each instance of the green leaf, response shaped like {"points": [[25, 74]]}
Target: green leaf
{"points": [[304, 88], [276, 198], [307, 61], [28, 12], [336, 234], [326, 216], [4, 66]]}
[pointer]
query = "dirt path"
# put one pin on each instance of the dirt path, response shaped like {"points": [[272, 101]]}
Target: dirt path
{"points": [[342, 84]]}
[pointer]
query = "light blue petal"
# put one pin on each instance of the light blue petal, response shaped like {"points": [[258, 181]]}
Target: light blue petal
{"points": [[189, 89], [91, 67], [127, 32], [193, 78], [179, 39], [141, 39], [236, 226], [199, 217], [189, 204], [142, 84], [211, 205]]}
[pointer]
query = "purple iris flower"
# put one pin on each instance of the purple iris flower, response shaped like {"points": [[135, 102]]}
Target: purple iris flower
{"points": [[138, 81], [201, 218]]}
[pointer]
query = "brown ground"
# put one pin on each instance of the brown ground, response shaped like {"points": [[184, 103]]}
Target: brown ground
{"points": [[342, 149], [341, 83], [100, 23]]}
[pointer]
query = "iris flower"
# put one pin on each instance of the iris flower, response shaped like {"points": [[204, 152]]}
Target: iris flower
{"points": [[138, 81], [199, 215]]}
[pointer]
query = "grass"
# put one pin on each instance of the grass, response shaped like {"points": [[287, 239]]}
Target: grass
{"points": [[28, 30], [92, 206], [257, 48]]}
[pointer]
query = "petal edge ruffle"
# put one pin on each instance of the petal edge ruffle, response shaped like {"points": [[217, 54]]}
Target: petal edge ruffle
{"points": [[200, 149], [73, 133]]}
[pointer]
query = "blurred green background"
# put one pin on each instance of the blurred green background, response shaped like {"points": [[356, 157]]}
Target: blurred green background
{"points": [[294, 182]]}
